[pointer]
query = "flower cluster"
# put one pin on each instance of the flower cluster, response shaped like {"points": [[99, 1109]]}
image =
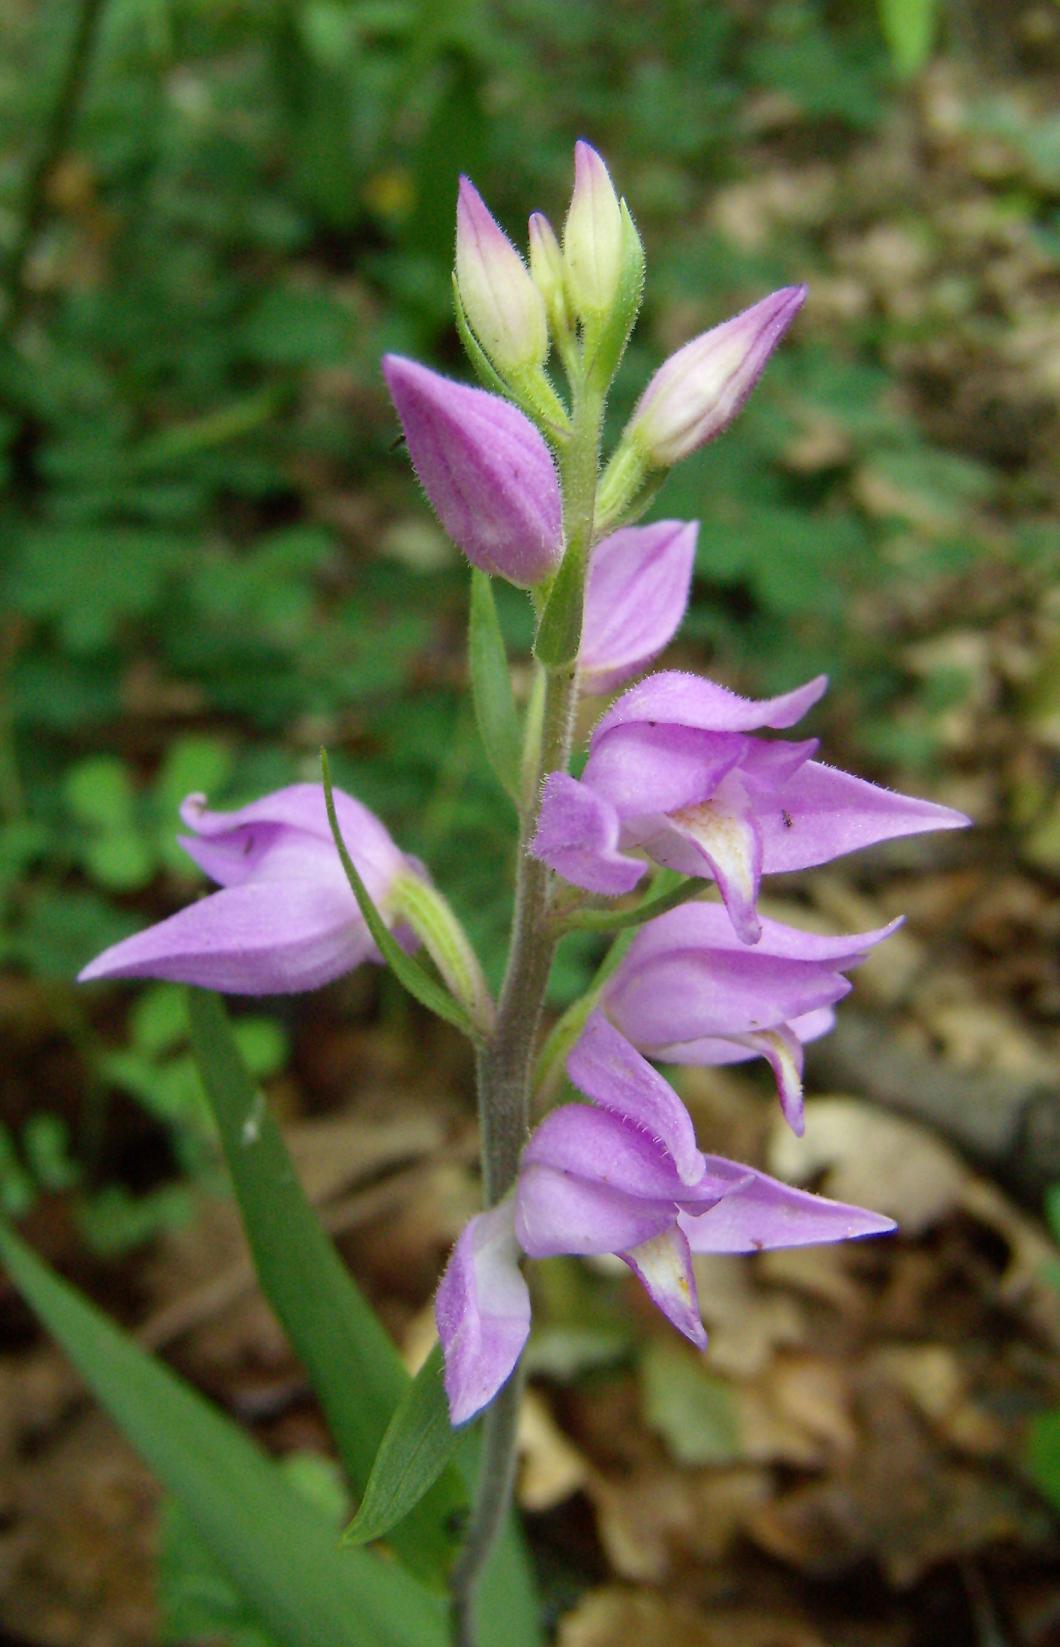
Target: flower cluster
{"points": [[680, 774], [622, 1176]]}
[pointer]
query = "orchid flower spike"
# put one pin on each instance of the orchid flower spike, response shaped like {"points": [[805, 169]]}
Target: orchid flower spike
{"points": [[623, 1177], [635, 598], [688, 992], [485, 469], [674, 772], [285, 918]]}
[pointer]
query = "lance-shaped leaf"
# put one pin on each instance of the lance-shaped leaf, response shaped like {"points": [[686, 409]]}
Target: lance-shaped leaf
{"points": [[408, 970], [559, 634], [416, 1448], [491, 687], [352, 1364], [272, 1544]]}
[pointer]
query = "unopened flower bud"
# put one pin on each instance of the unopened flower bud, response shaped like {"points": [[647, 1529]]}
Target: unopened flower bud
{"points": [[594, 241], [696, 394], [546, 270], [485, 469], [503, 306]]}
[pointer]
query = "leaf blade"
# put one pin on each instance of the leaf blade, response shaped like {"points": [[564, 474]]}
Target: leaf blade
{"points": [[491, 687], [352, 1364], [406, 969], [279, 1556], [418, 1444]]}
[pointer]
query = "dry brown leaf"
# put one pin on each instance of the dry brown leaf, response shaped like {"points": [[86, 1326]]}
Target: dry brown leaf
{"points": [[615, 1617], [899, 1501], [552, 1468], [933, 1378], [873, 1159], [657, 1518], [815, 1394], [80, 1556], [746, 1322]]}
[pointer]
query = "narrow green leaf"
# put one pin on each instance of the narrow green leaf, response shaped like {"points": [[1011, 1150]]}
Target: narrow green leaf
{"points": [[1043, 1454], [491, 686], [415, 1450], [616, 920], [352, 1365], [406, 968], [271, 1544], [559, 634]]}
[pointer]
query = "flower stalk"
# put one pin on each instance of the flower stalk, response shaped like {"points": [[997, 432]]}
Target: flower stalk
{"points": [[506, 1063]]}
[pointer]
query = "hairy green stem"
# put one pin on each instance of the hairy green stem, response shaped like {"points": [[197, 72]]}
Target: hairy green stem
{"points": [[506, 1062]]}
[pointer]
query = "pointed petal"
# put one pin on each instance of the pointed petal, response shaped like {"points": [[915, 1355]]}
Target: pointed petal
{"points": [[557, 1212], [678, 698], [262, 938], [719, 1049], [592, 235], [827, 813], [760, 1213], [635, 599], [662, 997], [702, 925], [232, 846], [577, 835], [505, 310], [696, 394], [483, 1312], [664, 1267], [608, 1070]]}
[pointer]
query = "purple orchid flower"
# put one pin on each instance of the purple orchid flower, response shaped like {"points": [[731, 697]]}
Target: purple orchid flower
{"points": [[285, 918], [635, 598], [688, 992], [674, 772], [485, 469], [626, 1179]]}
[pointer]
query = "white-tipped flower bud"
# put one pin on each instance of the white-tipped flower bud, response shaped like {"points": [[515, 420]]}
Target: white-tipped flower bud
{"points": [[503, 306], [594, 244], [697, 392]]}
